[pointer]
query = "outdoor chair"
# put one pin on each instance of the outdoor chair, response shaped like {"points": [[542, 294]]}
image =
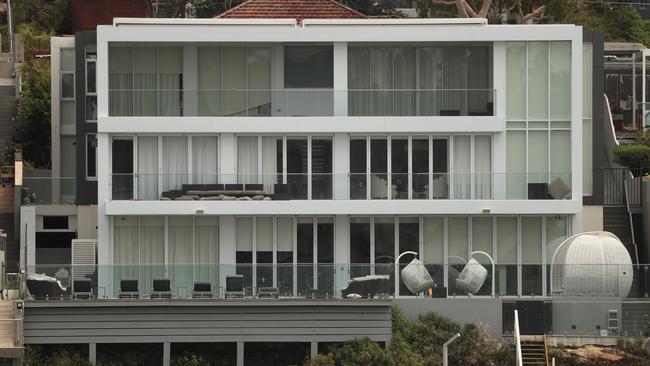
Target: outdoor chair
{"points": [[202, 290], [235, 287], [268, 293], [129, 289], [319, 294], [82, 289], [161, 289]]}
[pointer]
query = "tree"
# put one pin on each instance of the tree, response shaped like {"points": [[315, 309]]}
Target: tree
{"points": [[372, 7], [498, 11]]}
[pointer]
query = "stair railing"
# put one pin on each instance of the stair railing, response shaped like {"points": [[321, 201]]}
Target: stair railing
{"points": [[518, 358], [629, 217]]}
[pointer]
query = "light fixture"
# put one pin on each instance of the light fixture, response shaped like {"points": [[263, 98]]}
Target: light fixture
{"points": [[18, 173], [199, 211], [486, 211]]}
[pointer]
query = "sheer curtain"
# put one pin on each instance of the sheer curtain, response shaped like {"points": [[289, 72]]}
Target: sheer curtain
{"points": [[206, 249], [478, 78], [454, 79], [358, 81], [462, 167], [174, 163], [381, 78], [145, 81], [152, 251], [205, 159], [483, 167], [171, 80], [247, 159], [180, 240], [430, 80], [259, 81], [125, 249], [209, 75], [234, 81], [404, 81], [270, 162], [148, 167], [120, 81]]}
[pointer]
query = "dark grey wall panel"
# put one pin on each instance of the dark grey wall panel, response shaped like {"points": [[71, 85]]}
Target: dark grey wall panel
{"points": [[214, 321]]}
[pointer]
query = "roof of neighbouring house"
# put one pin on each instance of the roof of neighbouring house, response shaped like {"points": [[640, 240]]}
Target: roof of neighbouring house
{"points": [[292, 9]]}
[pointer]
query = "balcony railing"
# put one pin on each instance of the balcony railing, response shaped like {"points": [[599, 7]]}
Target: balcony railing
{"points": [[311, 280], [301, 102], [49, 191], [345, 186]]}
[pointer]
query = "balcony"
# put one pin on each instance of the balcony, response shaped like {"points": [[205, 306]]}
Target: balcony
{"points": [[346, 186], [301, 102], [330, 281], [49, 191]]}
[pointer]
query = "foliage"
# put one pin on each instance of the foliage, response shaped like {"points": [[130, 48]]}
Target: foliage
{"points": [[33, 117], [633, 156], [46, 15], [36, 355], [372, 7]]}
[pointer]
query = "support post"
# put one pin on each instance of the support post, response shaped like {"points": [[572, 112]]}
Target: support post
{"points": [[314, 350], [445, 346], [166, 354], [92, 353], [240, 353]]}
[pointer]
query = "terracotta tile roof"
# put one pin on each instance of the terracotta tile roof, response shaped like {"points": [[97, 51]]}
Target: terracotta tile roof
{"points": [[292, 9]]}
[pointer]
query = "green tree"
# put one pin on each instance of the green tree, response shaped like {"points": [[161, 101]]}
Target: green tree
{"points": [[46, 15], [33, 117], [372, 7]]}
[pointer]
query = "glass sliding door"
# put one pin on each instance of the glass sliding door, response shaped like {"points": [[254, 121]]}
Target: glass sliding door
{"points": [[120, 81], [531, 256], [170, 79], [457, 249], [210, 94], [264, 252], [399, 167], [358, 169], [433, 231], [152, 251], [325, 254], [297, 167], [378, 168], [482, 167], [148, 168], [284, 240], [384, 232], [272, 148], [420, 167], [206, 250], [359, 246], [247, 159], [506, 259], [321, 168], [462, 167], [122, 161], [180, 239], [244, 249], [482, 241], [409, 240], [205, 159], [126, 251], [440, 169], [234, 81], [305, 255], [174, 162], [259, 81]]}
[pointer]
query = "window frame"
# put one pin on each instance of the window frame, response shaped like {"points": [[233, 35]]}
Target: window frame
{"points": [[90, 177]]}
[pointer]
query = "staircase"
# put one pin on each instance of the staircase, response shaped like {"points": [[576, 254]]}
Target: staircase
{"points": [[617, 221], [533, 350]]}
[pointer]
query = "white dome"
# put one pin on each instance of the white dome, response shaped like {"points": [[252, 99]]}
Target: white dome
{"points": [[592, 264]]}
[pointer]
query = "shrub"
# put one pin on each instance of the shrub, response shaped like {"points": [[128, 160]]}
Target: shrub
{"points": [[633, 156]]}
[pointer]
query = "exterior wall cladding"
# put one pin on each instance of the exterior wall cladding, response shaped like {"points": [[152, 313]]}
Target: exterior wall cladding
{"points": [[422, 142]]}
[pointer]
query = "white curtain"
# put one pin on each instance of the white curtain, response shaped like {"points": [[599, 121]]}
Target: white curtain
{"points": [[259, 81], [180, 253], [152, 251], [145, 81], [358, 81], [381, 78], [209, 78], [206, 250], [270, 162], [234, 81], [478, 78], [404, 81], [247, 159], [482, 167], [174, 162], [430, 80], [454, 79], [148, 167], [126, 256], [205, 159], [462, 167], [171, 80], [120, 81]]}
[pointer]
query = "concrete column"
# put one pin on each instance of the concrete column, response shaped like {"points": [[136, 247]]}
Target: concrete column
{"points": [[240, 353], [92, 353], [341, 165], [341, 252], [228, 158], [314, 350], [28, 237], [340, 79], [166, 353], [104, 245]]}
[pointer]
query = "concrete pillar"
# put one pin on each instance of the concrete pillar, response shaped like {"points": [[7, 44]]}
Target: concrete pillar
{"points": [[341, 252], [340, 79], [314, 349], [228, 158], [166, 353], [92, 353], [240, 353], [27, 237]]}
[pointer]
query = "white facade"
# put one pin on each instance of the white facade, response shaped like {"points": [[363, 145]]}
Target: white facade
{"points": [[464, 179]]}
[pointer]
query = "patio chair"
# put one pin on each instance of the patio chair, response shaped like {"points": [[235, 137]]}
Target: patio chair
{"points": [[319, 294], [161, 289], [268, 293], [129, 289], [235, 287], [82, 289], [202, 290]]}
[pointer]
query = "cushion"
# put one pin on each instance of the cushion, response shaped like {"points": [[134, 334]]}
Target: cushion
{"points": [[558, 189], [212, 198], [244, 199], [259, 197]]}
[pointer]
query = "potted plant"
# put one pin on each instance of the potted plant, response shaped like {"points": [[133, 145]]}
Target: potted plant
{"points": [[617, 113]]}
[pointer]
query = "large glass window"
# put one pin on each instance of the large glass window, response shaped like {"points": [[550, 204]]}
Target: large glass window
{"points": [[308, 66], [91, 85], [531, 256], [507, 253], [359, 246], [285, 256], [458, 248], [122, 158], [409, 240], [91, 156], [244, 249]]}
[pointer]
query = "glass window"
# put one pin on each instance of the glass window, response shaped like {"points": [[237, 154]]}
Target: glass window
{"points": [[148, 167], [284, 242], [537, 81], [506, 260], [399, 167], [244, 248], [152, 250], [91, 156], [359, 246], [560, 156], [297, 178], [379, 168], [434, 247], [516, 164], [91, 108], [308, 66], [531, 256], [325, 253], [420, 168], [206, 249], [67, 85], [179, 241], [321, 168], [516, 80], [409, 240], [482, 241], [538, 157], [462, 167], [305, 254], [457, 248], [560, 61], [358, 165], [67, 59], [91, 77], [264, 251], [384, 245], [122, 160]]}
